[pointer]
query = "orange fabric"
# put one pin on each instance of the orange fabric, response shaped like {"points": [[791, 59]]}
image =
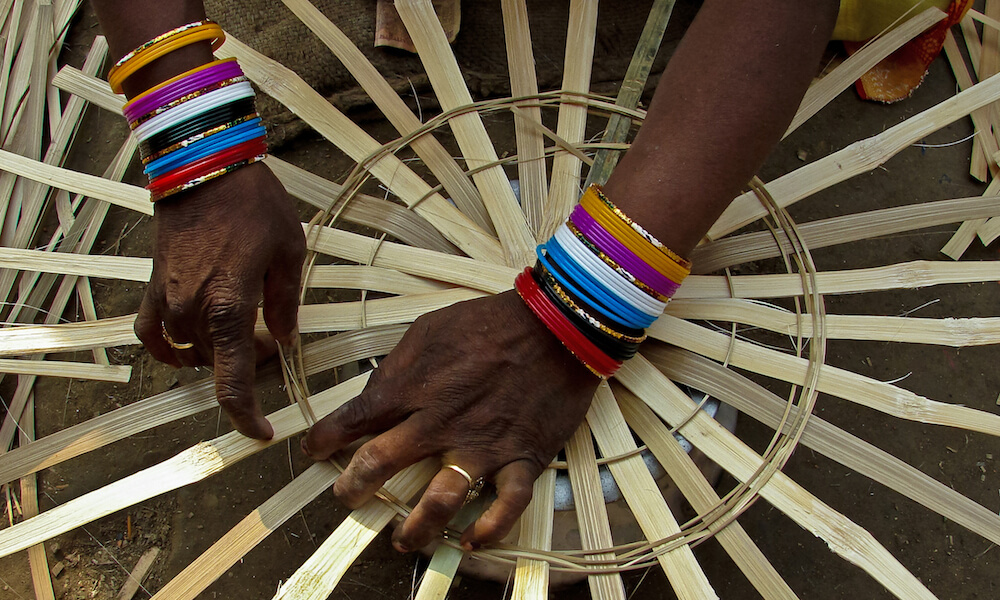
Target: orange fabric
{"points": [[896, 77]]}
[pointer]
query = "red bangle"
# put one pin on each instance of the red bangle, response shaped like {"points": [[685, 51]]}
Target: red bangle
{"points": [[213, 162], [584, 350]]}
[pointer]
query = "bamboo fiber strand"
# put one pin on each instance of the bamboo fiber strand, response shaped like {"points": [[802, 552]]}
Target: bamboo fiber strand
{"points": [[856, 454], [643, 496], [289, 89], [433, 154], [822, 92], [760, 245], [529, 141], [470, 133], [949, 331], [194, 464], [848, 385], [591, 511], [249, 532], [564, 188], [71, 370], [857, 158], [321, 572], [531, 577], [845, 538]]}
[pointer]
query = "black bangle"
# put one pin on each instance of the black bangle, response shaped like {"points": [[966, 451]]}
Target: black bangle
{"points": [[220, 115], [586, 305]]}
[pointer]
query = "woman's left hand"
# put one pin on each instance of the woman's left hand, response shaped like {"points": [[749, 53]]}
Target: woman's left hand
{"points": [[481, 384]]}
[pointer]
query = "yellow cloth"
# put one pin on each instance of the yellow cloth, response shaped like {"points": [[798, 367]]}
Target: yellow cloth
{"points": [[860, 20]]}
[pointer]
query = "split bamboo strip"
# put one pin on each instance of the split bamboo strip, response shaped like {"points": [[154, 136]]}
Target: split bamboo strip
{"points": [[320, 574], [592, 511], [434, 155], [12, 28], [531, 577], [86, 297], [958, 333], [440, 573], [67, 337], [249, 532], [71, 370], [703, 498], [856, 158], [360, 277], [345, 316], [470, 133], [194, 464], [844, 537], [124, 268], [289, 89], [985, 145], [96, 91], [564, 187], [456, 270], [909, 275], [972, 41], [822, 92], [182, 402], [39, 565], [964, 236], [989, 231], [138, 573], [631, 89], [841, 383], [643, 496], [978, 16], [760, 245], [114, 192], [856, 454]]}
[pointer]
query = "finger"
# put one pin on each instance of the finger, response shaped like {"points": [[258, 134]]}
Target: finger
{"points": [[232, 339], [186, 349], [437, 506], [148, 326], [381, 458], [376, 409], [514, 485], [281, 299], [264, 347]]}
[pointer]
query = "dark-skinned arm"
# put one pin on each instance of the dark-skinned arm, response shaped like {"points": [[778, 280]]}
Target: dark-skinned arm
{"points": [[483, 384], [219, 247]]}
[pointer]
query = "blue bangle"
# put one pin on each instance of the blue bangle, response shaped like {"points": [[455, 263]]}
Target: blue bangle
{"points": [[596, 289], [205, 147]]}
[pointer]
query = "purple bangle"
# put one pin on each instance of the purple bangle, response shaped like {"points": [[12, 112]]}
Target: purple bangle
{"points": [[621, 254], [177, 89]]}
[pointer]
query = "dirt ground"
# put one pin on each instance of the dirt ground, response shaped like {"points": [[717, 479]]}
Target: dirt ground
{"points": [[951, 561]]}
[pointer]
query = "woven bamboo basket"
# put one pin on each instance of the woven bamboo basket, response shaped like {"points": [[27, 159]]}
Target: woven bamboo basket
{"points": [[455, 231]]}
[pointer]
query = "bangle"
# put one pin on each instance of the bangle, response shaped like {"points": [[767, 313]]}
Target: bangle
{"points": [[599, 191], [199, 136], [161, 46], [579, 307], [194, 108], [137, 121], [210, 145], [638, 283], [220, 115], [178, 87], [179, 179], [154, 92], [566, 283]]}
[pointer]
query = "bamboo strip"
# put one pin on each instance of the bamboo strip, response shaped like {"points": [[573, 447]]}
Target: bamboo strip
{"points": [[41, 580], [760, 245], [821, 93], [289, 89], [914, 274], [643, 495], [434, 155], [984, 145], [857, 158], [978, 16], [120, 194], [439, 575], [73, 81], [564, 188], [972, 41], [125, 268], [530, 144], [470, 133], [345, 316], [360, 277], [592, 511], [989, 231], [845, 538], [958, 333], [12, 27], [71, 370], [872, 462], [249, 532], [179, 403], [20, 76], [86, 296], [848, 385], [963, 238], [531, 577], [138, 573], [320, 574], [67, 337], [194, 464]]}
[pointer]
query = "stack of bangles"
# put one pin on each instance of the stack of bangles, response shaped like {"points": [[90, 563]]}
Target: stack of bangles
{"points": [[599, 282], [197, 126]]}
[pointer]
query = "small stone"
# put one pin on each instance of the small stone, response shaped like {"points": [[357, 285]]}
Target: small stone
{"points": [[802, 155], [58, 568]]}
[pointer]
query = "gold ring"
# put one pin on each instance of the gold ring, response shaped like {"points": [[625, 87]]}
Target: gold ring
{"points": [[475, 486], [171, 342]]}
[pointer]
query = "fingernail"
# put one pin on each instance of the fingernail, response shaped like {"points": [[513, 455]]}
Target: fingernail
{"points": [[400, 547], [470, 546]]}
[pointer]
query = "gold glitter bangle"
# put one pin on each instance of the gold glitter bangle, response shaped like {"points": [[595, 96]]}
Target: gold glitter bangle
{"points": [[198, 136], [159, 39], [175, 103], [639, 229], [573, 306], [614, 265], [208, 177], [163, 45]]}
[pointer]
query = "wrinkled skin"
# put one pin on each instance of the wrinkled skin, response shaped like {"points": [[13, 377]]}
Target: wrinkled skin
{"points": [[482, 384], [219, 248]]}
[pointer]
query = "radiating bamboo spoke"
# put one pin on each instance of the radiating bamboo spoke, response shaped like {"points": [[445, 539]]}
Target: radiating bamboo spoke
{"points": [[531, 577]]}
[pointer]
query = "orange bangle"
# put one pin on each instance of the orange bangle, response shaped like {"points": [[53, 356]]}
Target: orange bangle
{"points": [[173, 41]]}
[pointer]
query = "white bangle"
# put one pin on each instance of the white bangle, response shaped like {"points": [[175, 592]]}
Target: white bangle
{"points": [[193, 108]]}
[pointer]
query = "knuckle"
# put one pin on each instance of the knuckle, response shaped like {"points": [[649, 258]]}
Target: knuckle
{"points": [[440, 505], [372, 463]]}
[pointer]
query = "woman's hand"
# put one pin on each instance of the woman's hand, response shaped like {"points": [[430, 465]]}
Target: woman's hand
{"points": [[481, 384], [219, 247]]}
